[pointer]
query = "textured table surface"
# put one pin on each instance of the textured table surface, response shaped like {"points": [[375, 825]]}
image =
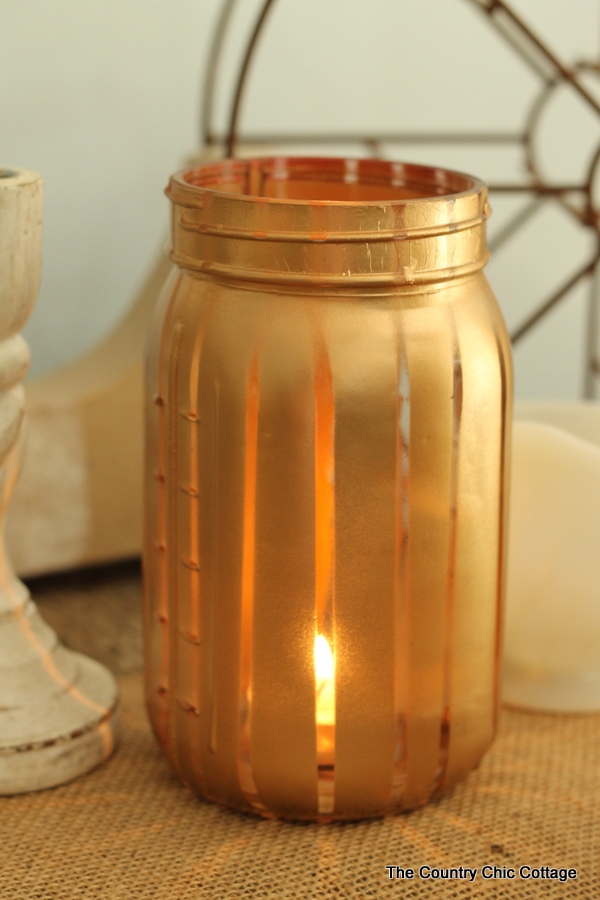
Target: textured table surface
{"points": [[129, 830]]}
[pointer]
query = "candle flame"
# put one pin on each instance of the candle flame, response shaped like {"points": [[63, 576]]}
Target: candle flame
{"points": [[323, 660], [325, 678]]}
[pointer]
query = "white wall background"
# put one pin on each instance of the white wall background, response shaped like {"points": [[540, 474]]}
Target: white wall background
{"points": [[103, 99]]}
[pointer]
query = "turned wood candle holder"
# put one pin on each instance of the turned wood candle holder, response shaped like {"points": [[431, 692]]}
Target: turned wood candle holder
{"points": [[58, 709]]}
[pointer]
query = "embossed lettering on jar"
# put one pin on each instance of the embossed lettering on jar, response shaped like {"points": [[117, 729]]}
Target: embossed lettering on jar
{"points": [[328, 402]]}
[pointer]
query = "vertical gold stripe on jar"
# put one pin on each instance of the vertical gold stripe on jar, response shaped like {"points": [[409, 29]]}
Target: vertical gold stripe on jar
{"points": [[211, 657], [506, 375], [172, 554], [246, 776], [154, 561], [363, 352], [194, 632], [474, 627], [401, 596], [448, 623], [429, 348], [223, 376], [283, 718]]}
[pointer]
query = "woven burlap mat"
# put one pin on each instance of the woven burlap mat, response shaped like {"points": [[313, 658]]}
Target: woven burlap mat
{"points": [[129, 830]]}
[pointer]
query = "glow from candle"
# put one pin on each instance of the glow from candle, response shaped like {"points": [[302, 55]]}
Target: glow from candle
{"points": [[325, 678]]}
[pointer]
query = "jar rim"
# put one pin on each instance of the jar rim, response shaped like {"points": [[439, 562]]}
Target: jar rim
{"points": [[328, 220], [353, 174]]}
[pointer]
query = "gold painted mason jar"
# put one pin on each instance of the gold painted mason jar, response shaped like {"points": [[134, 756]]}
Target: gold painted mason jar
{"points": [[328, 413]]}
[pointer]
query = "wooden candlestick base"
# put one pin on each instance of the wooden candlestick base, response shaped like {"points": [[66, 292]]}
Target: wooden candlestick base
{"points": [[58, 709]]}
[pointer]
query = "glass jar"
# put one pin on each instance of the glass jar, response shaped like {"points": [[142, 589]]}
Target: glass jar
{"points": [[328, 408]]}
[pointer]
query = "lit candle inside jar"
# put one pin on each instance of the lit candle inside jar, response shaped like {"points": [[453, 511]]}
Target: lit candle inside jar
{"points": [[325, 701]]}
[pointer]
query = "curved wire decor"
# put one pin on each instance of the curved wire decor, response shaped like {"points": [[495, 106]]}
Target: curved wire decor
{"points": [[577, 198]]}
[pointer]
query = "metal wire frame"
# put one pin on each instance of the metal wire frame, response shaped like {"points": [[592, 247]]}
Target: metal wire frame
{"points": [[576, 198]]}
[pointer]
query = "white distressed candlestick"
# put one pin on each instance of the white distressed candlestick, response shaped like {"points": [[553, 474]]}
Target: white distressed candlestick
{"points": [[58, 709]]}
